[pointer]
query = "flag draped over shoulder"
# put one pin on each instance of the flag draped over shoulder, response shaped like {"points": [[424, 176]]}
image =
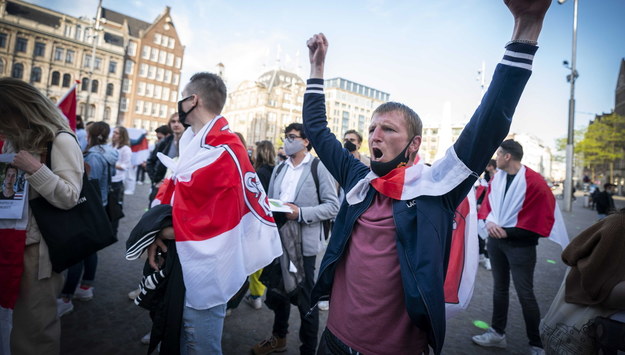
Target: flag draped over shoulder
{"points": [[67, 105], [222, 222], [528, 204], [406, 183], [463, 258]]}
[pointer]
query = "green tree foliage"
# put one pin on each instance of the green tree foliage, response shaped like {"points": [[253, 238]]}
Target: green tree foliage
{"points": [[578, 135], [604, 141]]}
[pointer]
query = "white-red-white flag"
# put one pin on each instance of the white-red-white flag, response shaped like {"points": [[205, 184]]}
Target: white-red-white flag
{"points": [[222, 222], [528, 204]]}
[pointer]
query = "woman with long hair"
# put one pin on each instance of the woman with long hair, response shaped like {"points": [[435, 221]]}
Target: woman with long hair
{"points": [[264, 162], [28, 123], [121, 142], [100, 159]]}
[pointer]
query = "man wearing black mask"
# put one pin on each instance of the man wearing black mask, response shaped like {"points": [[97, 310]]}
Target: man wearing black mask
{"points": [[384, 267], [352, 140]]}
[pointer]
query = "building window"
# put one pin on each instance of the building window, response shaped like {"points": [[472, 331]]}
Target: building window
{"points": [[173, 96], [178, 62], [141, 88], [157, 38], [82, 109], [98, 63], [66, 80], [139, 106], [35, 75], [170, 59], [40, 49], [21, 44], [87, 61], [91, 112], [147, 108], [109, 89], [128, 68], [112, 67], [69, 56], [58, 54], [154, 54], [145, 52], [107, 113], [151, 72], [132, 48], [171, 42], [159, 74], [158, 91], [345, 126], [143, 70], [18, 71], [3, 40], [123, 104], [126, 85], [176, 78], [149, 89], [56, 78], [167, 77], [94, 86], [85, 84], [68, 30], [165, 95], [161, 57], [78, 35]]}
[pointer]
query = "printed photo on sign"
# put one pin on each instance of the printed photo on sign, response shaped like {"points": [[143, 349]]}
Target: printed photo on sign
{"points": [[12, 191]]}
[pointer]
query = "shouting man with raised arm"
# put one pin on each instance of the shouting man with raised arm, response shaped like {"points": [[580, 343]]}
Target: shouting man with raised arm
{"points": [[384, 268]]}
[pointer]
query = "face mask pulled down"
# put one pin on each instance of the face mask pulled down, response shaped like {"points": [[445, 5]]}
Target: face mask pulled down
{"points": [[381, 169]]}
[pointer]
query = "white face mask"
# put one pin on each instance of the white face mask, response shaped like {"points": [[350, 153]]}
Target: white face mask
{"points": [[293, 147]]}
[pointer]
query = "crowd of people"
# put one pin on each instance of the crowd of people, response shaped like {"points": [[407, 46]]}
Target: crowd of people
{"points": [[231, 222]]}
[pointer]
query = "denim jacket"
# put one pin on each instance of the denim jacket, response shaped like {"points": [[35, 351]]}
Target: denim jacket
{"points": [[424, 224]]}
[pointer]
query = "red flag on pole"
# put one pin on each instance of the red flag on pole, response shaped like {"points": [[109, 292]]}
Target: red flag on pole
{"points": [[67, 105]]}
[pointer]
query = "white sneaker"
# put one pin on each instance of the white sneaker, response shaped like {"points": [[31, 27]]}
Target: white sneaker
{"points": [[323, 305], [255, 302], [62, 307], [537, 351], [134, 294], [145, 340], [487, 264], [491, 339], [83, 295]]}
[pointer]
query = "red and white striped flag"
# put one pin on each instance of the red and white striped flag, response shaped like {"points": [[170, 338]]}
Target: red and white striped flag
{"points": [[463, 257], [223, 225], [528, 204]]}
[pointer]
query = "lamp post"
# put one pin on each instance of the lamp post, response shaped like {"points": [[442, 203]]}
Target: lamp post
{"points": [[568, 182]]}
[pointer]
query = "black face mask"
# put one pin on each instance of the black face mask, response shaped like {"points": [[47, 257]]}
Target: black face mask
{"points": [[282, 156], [182, 116], [381, 169], [351, 147]]}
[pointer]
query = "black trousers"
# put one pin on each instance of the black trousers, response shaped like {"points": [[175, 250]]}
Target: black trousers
{"points": [[282, 310]]}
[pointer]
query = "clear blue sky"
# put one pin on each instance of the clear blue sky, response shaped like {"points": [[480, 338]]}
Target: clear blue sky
{"points": [[424, 53]]}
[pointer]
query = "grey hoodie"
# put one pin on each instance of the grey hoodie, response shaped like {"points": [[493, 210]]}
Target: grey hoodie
{"points": [[99, 158]]}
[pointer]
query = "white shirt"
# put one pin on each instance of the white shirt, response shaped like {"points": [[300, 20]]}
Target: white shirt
{"points": [[123, 161], [291, 178]]}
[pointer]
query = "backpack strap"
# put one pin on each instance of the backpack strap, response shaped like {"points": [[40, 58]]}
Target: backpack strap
{"points": [[313, 170]]}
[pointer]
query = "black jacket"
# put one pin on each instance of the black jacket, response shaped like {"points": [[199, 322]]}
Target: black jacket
{"points": [[156, 169]]}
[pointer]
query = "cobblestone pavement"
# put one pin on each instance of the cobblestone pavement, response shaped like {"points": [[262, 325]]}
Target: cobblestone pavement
{"points": [[112, 324]]}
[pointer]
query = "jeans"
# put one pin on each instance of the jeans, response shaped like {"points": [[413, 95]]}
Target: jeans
{"points": [[282, 310], [201, 330], [520, 262], [329, 344], [89, 264]]}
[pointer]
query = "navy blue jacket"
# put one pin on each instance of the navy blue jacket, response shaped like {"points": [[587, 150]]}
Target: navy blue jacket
{"points": [[424, 225]]}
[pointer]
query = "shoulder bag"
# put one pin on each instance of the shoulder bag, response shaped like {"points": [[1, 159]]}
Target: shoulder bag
{"points": [[72, 235]]}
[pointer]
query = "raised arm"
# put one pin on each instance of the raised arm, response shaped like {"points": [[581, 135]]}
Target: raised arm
{"points": [[491, 121], [341, 164]]}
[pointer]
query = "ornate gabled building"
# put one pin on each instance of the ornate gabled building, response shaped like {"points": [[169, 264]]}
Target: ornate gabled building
{"points": [[129, 76], [260, 109], [151, 72], [52, 50]]}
